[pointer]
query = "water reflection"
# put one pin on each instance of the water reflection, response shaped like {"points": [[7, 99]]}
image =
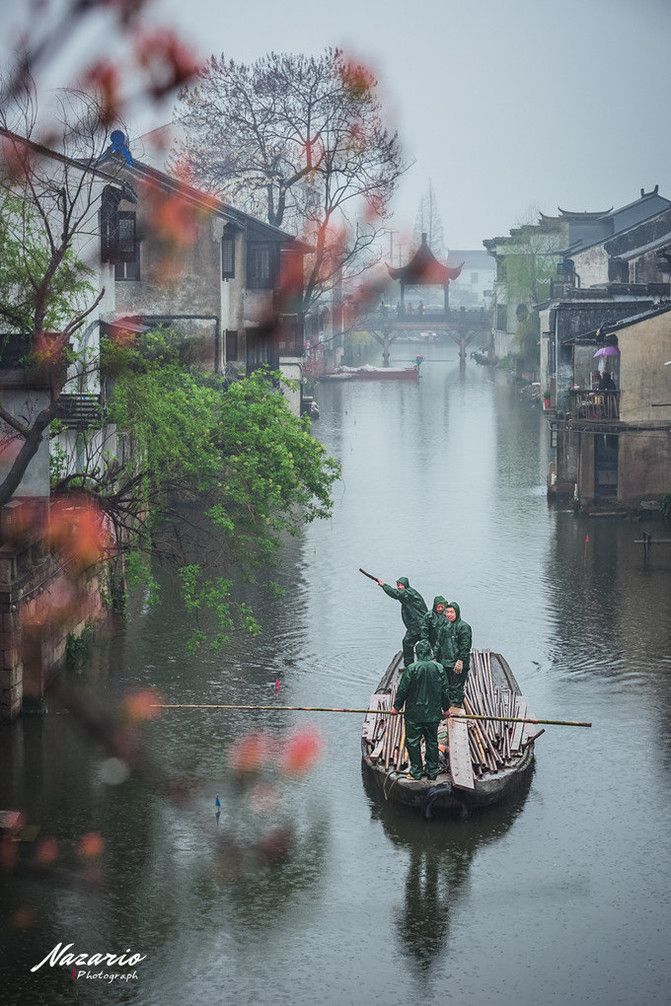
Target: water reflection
{"points": [[440, 855], [443, 482]]}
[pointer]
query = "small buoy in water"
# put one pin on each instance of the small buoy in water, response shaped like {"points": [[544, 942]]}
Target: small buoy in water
{"points": [[217, 802], [277, 685]]}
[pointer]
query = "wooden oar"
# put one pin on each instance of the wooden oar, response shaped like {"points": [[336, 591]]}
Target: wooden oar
{"points": [[380, 712], [369, 575]]}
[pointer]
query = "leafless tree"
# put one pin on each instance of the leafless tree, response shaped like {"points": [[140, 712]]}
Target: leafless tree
{"points": [[428, 221], [301, 141]]}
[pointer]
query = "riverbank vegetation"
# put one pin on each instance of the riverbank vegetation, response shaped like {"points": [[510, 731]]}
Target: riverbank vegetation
{"points": [[237, 451]]}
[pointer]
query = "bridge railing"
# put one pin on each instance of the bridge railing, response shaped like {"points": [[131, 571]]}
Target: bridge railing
{"points": [[467, 316]]}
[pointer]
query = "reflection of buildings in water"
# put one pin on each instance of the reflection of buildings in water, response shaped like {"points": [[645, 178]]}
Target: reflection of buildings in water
{"points": [[440, 855]]}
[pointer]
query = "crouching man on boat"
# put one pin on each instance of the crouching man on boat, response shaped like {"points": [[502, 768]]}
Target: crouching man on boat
{"points": [[424, 689], [413, 608], [453, 650]]}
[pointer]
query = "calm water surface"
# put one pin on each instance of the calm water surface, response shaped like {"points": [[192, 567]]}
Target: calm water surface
{"points": [[560, 896]]}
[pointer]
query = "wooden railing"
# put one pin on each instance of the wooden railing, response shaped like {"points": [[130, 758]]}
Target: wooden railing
{"points": [[601, 405]]}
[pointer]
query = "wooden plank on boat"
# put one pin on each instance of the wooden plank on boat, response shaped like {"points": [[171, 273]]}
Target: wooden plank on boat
{"points": [[530, 729], [521, 707], [377, 701], [460, 755]]}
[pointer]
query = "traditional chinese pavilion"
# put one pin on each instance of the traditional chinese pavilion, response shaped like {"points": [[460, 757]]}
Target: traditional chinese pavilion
{"points": [[424, 269]]}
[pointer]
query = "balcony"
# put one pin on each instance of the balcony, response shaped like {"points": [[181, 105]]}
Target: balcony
{"points": [[601, 406], [78, 412]]}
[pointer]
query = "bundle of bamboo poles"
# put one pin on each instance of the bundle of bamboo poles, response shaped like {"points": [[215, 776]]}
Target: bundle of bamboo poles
{"points": [[492, 744], [386, 734]]}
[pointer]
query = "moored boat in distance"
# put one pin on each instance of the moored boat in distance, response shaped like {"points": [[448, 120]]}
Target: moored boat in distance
{"points": [[370, 373], [481, 762]]}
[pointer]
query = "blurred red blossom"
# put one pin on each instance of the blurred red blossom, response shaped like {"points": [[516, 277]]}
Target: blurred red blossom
{"points": [[168, 62], [92, 844], [356, 78], [250, 754], [16, 159], [47, 851], [142, 705], [76, 528], [22, 918], [104, 79], [301, 751], [50, 348]]}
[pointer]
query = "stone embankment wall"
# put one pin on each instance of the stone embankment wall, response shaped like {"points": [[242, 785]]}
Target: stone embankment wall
{"points": [[41, 604]]}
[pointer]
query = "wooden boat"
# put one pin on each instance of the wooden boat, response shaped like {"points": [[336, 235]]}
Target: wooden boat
{"points": [[370, 373], [480, 762]]}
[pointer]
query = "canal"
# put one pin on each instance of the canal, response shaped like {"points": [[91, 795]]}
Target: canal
{"points": [[307, 888]]}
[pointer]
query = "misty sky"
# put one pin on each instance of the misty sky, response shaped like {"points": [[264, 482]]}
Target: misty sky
{"points": [[506, 106]]}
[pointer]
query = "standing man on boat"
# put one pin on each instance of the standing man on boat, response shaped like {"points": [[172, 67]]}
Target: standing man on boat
{"points": [[453, 650], [424, 690], [433, 620], [413, 608]]}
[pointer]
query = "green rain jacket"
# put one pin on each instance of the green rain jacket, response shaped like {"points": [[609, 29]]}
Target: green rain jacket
{"points": [[413, 605], [432, 621], [423, 688], [454, 641]]}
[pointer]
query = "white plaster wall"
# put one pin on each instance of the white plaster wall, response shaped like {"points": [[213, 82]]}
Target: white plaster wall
{"points": [[291, 367], [592, 266], [25, 405]]}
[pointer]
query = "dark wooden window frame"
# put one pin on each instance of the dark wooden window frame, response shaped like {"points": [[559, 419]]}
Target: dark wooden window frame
{"points": [[262, 265], [231, 344], [228, 256], [127, 266]]}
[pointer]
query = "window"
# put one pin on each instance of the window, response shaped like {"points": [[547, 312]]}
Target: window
{"points": [[228, 257], [618, 271], [118, 240], [127, 262], [260, 265], [502, 317], [231, 344], [127, 270]]}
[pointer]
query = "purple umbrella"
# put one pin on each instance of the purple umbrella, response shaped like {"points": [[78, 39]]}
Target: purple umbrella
{"points": [[608, 351]]}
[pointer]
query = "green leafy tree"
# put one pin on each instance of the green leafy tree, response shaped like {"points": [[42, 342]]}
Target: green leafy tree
{"points": [[239, 451]]}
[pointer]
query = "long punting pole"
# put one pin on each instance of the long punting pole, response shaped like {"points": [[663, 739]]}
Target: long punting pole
{"points": [[379, 712]]}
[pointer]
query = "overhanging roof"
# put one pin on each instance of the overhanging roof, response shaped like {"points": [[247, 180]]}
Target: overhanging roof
{"points": [[424, 269]]}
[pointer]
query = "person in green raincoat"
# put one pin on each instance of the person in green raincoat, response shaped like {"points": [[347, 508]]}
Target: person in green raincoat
{"points": [[453, 650], [413, 608], [424, 690], [433, 620]]}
